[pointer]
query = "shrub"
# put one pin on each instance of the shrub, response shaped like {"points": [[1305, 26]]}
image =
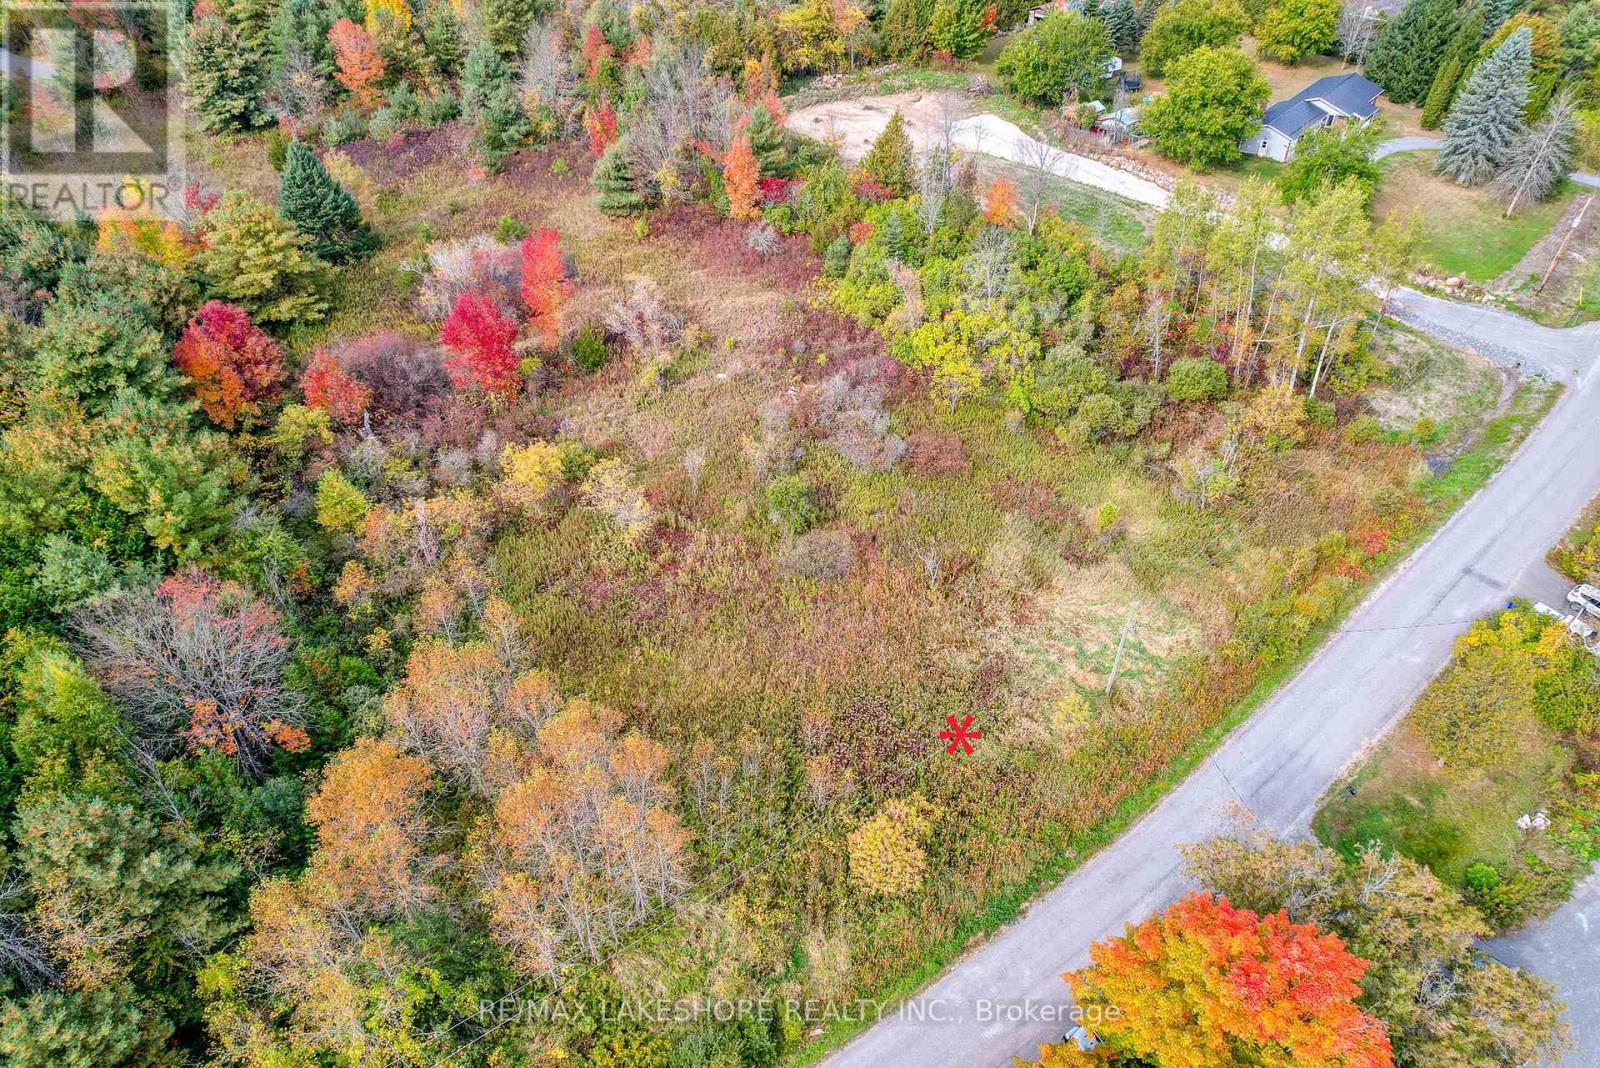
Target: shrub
{"points": [[819, 555], [477, 264], [322, 209], [792, 504], [1321, 413], [233, 367], [256, 260], [886, 854], [1197, 380], [545, 286], [589, 350], [1363, 430], [404, 376]]}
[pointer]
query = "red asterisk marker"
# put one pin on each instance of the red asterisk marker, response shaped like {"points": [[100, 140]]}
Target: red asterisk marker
{"points": [[959, 735]]}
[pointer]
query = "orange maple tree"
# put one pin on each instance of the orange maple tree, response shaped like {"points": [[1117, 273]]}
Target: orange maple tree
{"points": [[741, 178], [359, 61], [545, 285], [1204, 982], [1000, 202]]}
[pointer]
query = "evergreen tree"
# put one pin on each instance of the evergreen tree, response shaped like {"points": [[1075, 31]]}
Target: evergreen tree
{"points": [[1410, 48], [1496, 12], [905, 29], [836, 260], [440, 31], [225, 80], [504, 24], [254, 259], [322, 209], [960, 27], [299, 30], [489, 101], [1463, 46], [616, 188], [1541, 155], [1487, 116], [766, 141], [1122, 22], [105, 1027], [889, 162]]}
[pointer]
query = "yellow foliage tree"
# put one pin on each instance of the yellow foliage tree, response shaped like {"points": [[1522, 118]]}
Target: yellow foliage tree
{"points": [[886, 854]]}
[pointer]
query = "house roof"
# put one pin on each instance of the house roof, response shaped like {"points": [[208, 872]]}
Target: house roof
{"points": [[1337, 94]]}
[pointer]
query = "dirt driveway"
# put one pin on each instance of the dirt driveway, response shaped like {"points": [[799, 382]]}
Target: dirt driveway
{"points": [[852, 125]]}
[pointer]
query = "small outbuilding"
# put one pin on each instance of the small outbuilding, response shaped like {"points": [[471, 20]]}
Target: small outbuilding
{"points": [[1322, 103]]}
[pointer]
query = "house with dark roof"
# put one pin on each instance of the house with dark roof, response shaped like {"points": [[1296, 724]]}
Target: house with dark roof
{"points": [[1322, 103]]}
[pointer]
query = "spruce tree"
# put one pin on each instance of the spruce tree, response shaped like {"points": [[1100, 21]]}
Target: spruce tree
{"points": [[224, 79], [1487, 116], [766, 141], [1497, 11], [322, 209], [505, 23], [1541, 155], [299, 30], [617, 191], [959, 27], [1122, 22], [905, 29], [1410, 48], [1463, 46], [889, 162]]}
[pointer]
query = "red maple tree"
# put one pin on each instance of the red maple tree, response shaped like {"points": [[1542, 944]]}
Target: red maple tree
{"points": [[328, 386], [1193, 986], [479, 336], [545, 285], [601, 124], [233, 366]]}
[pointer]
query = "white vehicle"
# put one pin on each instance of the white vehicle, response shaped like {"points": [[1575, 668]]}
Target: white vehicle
{"points": [[1585, 598], [1585, 633], [1081, 1037]]}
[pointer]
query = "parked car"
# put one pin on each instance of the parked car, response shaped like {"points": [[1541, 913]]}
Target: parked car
{"points": [[1585, 598], [1131, 81], [1584, 633], [1082, 1037]]}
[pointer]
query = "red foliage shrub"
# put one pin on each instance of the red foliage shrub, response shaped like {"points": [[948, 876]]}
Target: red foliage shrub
{"points": [[545, 285], [876, 192], [934, 454], [601, 125], [774, 190], [327, 386], [596, 49], [479, 336], [404, 375], [860, 232], [233, 366]]}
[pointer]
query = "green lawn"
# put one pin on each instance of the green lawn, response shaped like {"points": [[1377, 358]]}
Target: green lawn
{"points": [[1442, 818], [1108, 218], [1464, 231]]}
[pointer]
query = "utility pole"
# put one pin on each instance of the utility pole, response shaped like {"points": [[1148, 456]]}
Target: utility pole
{"points": [[1116, 661]]}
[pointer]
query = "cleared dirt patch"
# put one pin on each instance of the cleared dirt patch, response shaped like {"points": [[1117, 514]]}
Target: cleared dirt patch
{"points": [[853, 125]]}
